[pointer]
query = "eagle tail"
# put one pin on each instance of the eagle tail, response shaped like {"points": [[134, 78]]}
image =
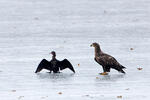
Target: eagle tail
{"points": [[120, 69], [123, 67]]}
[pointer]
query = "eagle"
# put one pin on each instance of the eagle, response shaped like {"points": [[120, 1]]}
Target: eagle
{"points": [[106, 61], [54, 65]]}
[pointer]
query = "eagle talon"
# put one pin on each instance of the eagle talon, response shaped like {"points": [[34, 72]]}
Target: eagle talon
{"points": [[104, 73]]}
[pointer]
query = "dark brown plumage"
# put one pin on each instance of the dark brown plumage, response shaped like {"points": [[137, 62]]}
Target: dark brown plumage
{"points": [[54, 65], [105, 60]]}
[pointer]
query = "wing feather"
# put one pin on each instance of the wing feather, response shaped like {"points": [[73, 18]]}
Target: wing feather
{"points": [[44, 64], [65, 64]]}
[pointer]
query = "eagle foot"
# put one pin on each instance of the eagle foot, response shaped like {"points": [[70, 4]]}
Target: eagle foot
{"points": [[104, 73]]}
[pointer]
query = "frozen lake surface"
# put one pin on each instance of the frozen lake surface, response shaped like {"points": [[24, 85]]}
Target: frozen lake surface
{"points": [[30, 29]]}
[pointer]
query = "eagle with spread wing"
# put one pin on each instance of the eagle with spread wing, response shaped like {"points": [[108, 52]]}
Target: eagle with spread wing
{"points": [[54, 65]]}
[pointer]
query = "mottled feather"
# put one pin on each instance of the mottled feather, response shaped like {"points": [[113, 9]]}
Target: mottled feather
{"points": [[106, 61]]}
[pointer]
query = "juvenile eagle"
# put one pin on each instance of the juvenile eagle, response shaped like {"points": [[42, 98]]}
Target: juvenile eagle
{"points": [[54, 65], [106, 61]]}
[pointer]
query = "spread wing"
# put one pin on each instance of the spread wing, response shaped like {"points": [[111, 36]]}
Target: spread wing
{"points": [[65, 64], [44, 64]]}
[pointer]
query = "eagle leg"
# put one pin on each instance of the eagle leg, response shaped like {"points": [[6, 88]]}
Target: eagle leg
{"points": [[105, 69]]}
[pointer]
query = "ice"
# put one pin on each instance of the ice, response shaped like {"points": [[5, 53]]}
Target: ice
{"points": [[31, 29]]}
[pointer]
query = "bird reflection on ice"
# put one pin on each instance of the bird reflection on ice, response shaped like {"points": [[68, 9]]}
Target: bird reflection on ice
{"points": [[113, 77], [108, 80], [54, 75]]}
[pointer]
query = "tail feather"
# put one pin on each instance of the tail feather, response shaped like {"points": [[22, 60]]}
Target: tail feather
{"points": [[120, 68], [122, 71], [123, 67]]}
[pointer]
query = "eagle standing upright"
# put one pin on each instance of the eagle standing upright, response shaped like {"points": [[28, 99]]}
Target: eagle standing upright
{"points": [[106, 61]]}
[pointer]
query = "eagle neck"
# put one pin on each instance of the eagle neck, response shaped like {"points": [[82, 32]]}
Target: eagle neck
{"points": [[54, 57], [98, 51]]}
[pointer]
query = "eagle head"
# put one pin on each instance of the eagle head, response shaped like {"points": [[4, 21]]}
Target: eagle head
{"points": [[94, 44]]}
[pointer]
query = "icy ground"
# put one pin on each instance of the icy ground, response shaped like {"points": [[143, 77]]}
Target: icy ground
{"points": [[30, 29]]}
